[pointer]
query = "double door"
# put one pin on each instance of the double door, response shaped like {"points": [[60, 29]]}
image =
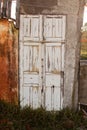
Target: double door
{"points": [[42, 60]]}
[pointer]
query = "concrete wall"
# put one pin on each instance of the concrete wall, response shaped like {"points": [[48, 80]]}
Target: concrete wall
{"points": [[49, 6], [83, 82], [73, 9]]}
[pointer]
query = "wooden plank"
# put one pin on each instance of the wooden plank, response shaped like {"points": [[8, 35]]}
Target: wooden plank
{"points": [[35, 57], [17, 13], [35, 97], [9, 8], [30, 96], [63, 54], [4, 9], [25, 96], [48, 98], [57, 59], [48, 59], [30, 58], [48, 28], [27, 28], [35, 27], [26, 58], [0, 7], [56, 98]]}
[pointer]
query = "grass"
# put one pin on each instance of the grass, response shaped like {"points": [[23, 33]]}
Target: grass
{"points": [[14, 117], [83, 54]]}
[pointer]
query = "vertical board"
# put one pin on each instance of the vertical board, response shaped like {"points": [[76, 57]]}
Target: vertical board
{"points": [[25, 96]]}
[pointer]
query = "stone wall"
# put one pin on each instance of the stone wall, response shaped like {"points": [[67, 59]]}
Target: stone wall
{"points": [[83, 82], [73, 9]]}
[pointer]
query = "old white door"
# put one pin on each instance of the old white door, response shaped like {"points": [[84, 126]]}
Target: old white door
{"points": [[42, 60]]}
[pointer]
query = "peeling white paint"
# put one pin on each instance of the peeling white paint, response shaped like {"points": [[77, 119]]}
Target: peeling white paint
{"points": [[42, 60]]}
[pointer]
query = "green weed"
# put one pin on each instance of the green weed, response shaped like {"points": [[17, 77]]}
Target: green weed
{"points": [[14, 117]]}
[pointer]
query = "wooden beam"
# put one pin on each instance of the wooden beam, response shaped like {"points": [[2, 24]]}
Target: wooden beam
{"points": [[4, 8], [17, 13], [9, 8]]}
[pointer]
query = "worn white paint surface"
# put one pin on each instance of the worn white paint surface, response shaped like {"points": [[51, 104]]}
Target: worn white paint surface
{"points": [[42, 60]]}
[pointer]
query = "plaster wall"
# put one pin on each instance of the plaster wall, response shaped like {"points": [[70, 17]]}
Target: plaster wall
{"points": [[74, 14]]}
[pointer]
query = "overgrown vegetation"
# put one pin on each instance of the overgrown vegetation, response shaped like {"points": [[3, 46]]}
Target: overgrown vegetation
{"points": [[14, 117], [84, 50]]}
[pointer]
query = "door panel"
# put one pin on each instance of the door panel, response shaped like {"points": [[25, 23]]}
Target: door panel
{"points": [[54, 28], [32, 27], [53, 58], [53, 80], [31, 78], [52, 98], [31, 96]]}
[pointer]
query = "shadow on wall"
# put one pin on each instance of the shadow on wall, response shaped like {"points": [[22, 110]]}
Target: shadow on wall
{"points": [[36, 6], [40, 2]]}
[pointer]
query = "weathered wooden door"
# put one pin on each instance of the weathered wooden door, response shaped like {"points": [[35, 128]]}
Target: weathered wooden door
{"points": [[42, 60]]}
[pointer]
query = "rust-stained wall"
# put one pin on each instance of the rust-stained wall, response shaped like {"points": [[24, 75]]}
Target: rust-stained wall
{"points": [[8, 61]]}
